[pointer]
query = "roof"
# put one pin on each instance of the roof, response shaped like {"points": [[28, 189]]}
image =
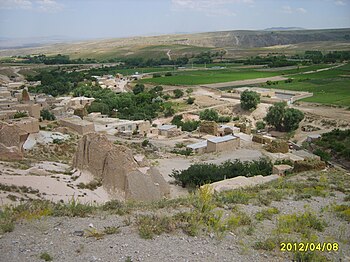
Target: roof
{"points": [[222, 139], [314, 136], [167, 127], [198, 145]]}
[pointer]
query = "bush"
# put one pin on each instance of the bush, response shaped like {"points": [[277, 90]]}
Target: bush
{"points": [[266, 214], [260, 125], [178, 93], [190, 125], [209, 115], [145, 143], [47, 115], [268, 244], [190, 100], [45, 256], [168, 74], [19, 114], [184, 152], [224, 119], [155, 75]]}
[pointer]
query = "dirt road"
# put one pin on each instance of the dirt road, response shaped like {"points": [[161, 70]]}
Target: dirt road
{"points": [[245, 82]]}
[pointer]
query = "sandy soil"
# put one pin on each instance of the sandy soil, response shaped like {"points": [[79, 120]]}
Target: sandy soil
{"points": [[51, 181]]}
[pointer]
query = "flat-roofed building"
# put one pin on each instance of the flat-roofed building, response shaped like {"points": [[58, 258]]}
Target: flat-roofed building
{"points": [[199, 147], [224, 143], [80, 126], [111, 125], [169, 130]]}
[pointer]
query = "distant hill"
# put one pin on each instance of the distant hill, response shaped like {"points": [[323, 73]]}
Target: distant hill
{"points": [[283, 28], [237, 43]]}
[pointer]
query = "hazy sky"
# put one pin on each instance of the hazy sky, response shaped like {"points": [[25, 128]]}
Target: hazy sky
{"points": [[118, 18]]}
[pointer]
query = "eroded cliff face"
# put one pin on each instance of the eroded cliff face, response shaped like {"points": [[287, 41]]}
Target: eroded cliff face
{"points": [[120, 174]]}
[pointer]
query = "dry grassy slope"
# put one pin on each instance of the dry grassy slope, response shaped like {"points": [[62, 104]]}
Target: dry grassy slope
{"points": [[231, 40]]}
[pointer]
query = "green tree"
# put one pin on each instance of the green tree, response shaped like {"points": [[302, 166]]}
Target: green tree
{"points": [[99, 107], [209, 115], [139, 88], [282, 118], [178, 93], [292, 118], [249, 99]]}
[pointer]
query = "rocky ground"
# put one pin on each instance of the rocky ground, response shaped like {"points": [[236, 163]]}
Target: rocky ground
{"points": [[110, 234]]}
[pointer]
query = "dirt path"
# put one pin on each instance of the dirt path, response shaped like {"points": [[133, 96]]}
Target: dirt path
{"points": [[168, 54]]}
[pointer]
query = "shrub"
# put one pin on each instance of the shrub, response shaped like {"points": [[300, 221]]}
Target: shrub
{"points": [[155, 75], [260, 125], [168, 74], [190, 100], [343, 211], [184, 152], [300, 223], [47, 115], [45, 256], [224, 119], [145, 143], [266, 214], [209, 115], [178, 93], [19, 114], [268, 244], [150, 225]]}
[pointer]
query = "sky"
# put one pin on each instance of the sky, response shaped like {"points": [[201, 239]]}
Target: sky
{"points": [[88, 19]]}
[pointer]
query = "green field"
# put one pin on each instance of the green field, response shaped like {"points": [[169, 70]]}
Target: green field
{"points": [[232, 73], [199, 77], [329, 87]]}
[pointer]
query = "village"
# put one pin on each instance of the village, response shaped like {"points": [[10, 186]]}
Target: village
{"points": [[31, 122]]}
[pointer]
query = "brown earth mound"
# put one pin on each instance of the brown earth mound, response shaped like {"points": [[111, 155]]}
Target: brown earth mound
{"points": [[116, 167]]}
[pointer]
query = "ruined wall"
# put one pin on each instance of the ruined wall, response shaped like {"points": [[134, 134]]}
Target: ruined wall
{"points": [[209, 127], [120, 173], [12, 139]]}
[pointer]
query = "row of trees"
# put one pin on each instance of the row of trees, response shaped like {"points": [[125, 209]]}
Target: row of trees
{"points": [[200, 174], [53, 60]]}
